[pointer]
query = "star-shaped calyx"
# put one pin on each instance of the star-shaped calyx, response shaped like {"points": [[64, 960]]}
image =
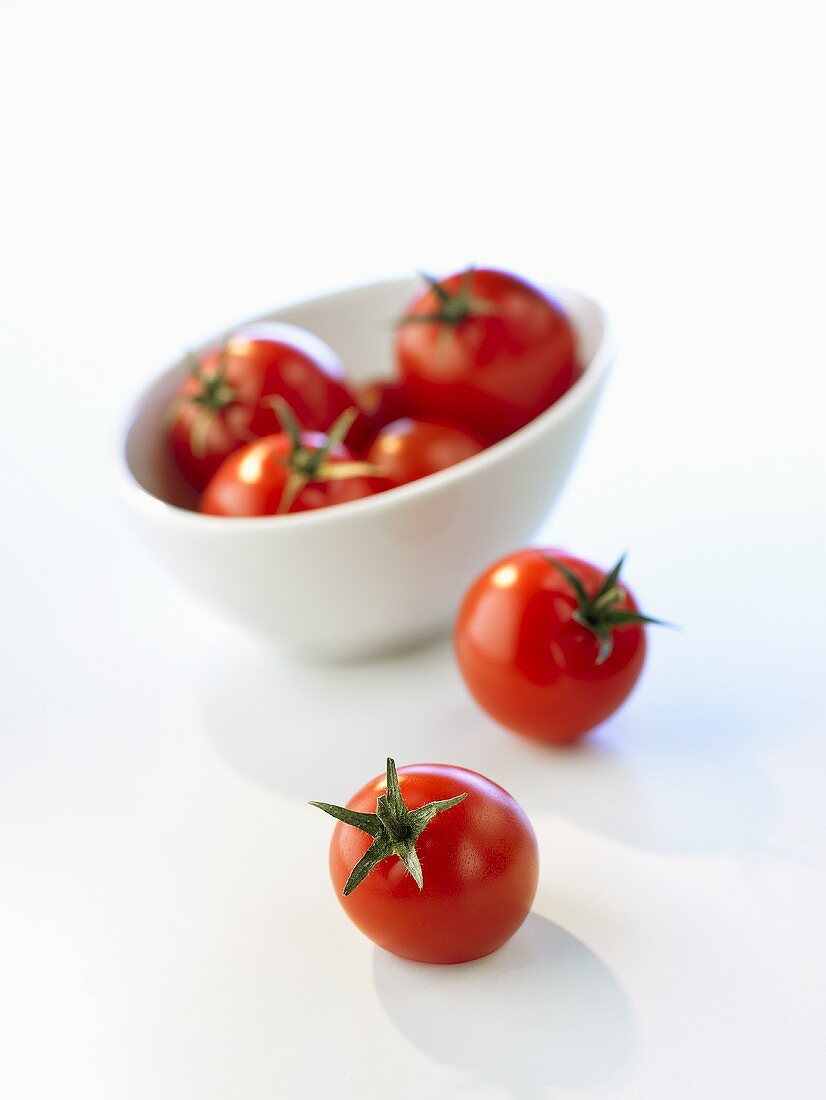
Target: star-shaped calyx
{"points": [[599, 613], [394, 829], [452, 306], [213, 397], [305, 464]]}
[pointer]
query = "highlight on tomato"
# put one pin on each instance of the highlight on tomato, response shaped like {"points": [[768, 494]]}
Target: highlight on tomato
{"points": [[486, 349], [549, 644], [433, 862], [409, 449], [226, 399], [292, 471]]}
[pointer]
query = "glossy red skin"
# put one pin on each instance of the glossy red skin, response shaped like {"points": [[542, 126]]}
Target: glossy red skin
{"points": [[479, 859], [251, 481], [495, 372], [379, 403], [407, 449], [262, 361], [528, 663]]}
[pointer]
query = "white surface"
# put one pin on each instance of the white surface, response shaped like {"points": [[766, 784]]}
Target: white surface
{"points": [[388, 571], [168, 170]]}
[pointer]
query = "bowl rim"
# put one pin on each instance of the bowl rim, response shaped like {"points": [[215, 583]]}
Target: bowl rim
{"points": [[590, 379]]}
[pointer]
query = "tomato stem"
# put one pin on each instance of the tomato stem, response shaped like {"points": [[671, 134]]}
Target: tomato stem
{"points": [[307, 464], [453, 306], [215, 394], [394, 829], [598, 613]]}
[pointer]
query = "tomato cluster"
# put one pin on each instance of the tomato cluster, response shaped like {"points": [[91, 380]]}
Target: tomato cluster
{"points": [[437, 863], [433, 862], [268, 423]]}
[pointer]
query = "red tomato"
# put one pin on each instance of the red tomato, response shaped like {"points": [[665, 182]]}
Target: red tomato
{"points": [[550, 650], [409, 449], [435, 863], [294, 471], [486, 349], [379, 403], [226, 401]]}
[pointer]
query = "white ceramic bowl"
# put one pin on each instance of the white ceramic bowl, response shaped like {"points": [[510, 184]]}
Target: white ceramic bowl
{"points": [[375, 574]]}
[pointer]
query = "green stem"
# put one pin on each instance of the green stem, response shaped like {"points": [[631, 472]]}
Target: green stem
{"points": [[599, 613], [305, 464], [394, 828], [452, 307]]}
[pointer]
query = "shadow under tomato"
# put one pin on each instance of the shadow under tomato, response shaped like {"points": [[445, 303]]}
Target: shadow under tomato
{"points": [[674, 774], [543, 1013], [677, 771]]}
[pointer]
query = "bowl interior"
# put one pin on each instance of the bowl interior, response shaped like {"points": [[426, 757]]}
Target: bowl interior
{"points": [[357, 324]]}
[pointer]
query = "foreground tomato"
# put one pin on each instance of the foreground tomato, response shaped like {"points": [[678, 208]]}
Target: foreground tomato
{"points": [[409, 449], [486, 349], [294, 471], [550, 645], [435, 863], [227, 399]]}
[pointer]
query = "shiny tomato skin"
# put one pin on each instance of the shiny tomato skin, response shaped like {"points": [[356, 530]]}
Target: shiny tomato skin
{"points": [[494, 371], [262, 361], [379, 403], [251, 481], [408, 449], [479, 860], [528, 663]]}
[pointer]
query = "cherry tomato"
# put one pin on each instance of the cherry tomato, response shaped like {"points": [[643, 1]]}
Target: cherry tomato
{"points": [[379, 403], [409, 449], [434, 863], [226, 400], [293, 471], [550, 645], [486, 349]]}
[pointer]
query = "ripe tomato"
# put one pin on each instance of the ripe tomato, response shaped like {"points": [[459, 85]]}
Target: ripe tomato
{"points": [[487, 349], [293, 471], [409, 449], [379, 403], [434, 863], [550, 645], [226, 400]]}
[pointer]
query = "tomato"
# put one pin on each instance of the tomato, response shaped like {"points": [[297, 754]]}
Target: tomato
{"points": [[434, 863], [409, 449], [379, 403], [226, 400], [293, 471], [486, 349], [550, 645]]}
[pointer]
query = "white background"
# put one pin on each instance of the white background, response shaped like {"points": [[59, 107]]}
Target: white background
{"points": [[167, 929]]}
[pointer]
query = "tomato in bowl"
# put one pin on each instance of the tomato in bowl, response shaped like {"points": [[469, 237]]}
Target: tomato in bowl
{"points": [[380, 572]]}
